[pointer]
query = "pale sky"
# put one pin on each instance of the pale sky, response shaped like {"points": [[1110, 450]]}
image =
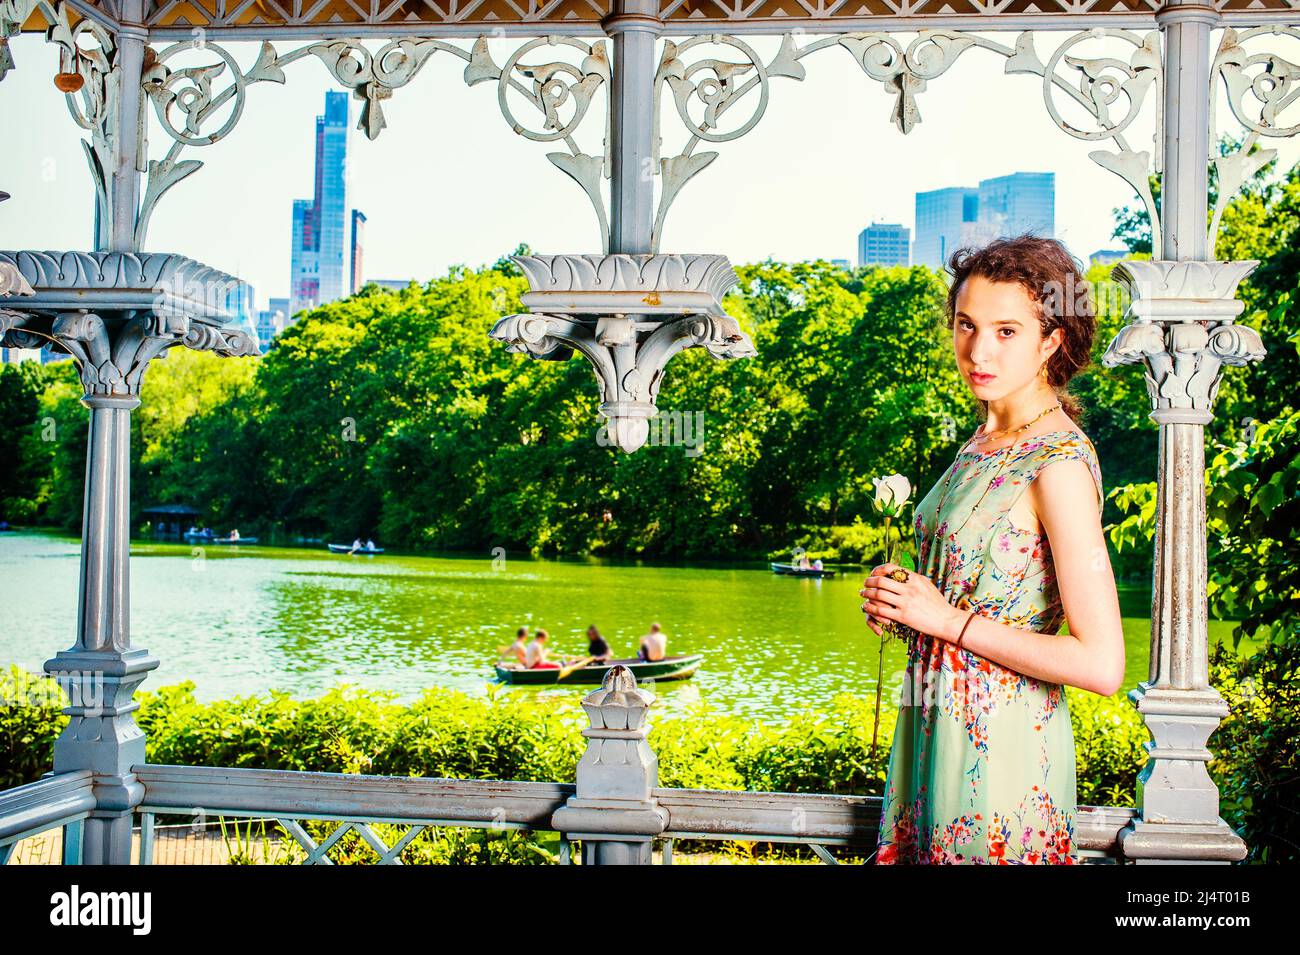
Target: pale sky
{"points": [[448, 181]]}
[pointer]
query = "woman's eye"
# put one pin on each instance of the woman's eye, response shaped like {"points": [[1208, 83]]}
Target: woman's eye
{"points": [[965, 324]]}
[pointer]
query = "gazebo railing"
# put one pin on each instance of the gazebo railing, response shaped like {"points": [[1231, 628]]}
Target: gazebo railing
{"points": [[356, 802], [55, 801], [615, 809]]}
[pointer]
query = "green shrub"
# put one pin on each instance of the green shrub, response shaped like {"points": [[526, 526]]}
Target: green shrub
{"points": [[444, 733], [447, 733], [1108, 738], [1256, 749], [818, 751], [31, 719], [856, 543]]}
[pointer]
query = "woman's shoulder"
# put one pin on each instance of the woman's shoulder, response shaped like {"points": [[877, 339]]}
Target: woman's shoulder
{"points": [[1068, 443], [1071, 444]]}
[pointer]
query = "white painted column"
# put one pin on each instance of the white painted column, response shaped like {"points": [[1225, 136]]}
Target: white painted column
{"points": [[1184, 188], [102, 671], [1182, 331], [635, 28], [127, 127]]}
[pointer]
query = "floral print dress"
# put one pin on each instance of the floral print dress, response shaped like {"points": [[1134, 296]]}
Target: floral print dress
{"points": [[982, 766]]}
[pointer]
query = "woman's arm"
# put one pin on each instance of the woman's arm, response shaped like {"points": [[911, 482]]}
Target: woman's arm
{"points": [[1091, 655]]}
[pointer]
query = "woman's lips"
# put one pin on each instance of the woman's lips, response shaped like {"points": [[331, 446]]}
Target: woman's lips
{"points": [[981, 379]]}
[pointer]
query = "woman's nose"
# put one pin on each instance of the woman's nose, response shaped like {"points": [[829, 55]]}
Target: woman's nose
{"points": [[980, 353]]}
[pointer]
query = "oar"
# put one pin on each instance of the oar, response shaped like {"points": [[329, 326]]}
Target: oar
{"points": [[566, 670]]}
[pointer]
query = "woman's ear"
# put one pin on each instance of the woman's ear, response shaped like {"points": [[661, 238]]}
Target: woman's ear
{"points": [[1051, 345]]}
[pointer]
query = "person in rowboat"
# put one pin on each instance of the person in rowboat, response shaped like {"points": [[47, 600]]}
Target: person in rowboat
{"points": [[516, 649], [654, 645], [597, 647], [535, 653]]}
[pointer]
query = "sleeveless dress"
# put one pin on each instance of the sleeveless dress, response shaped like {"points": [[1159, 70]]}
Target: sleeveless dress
{"points": [[982, 766]]}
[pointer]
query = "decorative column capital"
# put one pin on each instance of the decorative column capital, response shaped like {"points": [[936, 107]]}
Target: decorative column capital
{"points": [[12, 286], [12, 281], [117, 311], [1182, 329], [628, 314]]}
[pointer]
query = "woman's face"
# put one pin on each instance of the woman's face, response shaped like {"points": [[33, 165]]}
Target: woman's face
{"points": [[997, 337]]}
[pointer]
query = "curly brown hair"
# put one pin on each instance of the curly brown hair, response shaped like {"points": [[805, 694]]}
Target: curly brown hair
{"points": [[1053, 278]]}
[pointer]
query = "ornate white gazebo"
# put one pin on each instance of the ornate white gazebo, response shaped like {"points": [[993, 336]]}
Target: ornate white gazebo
{"points": [[627, 308]]}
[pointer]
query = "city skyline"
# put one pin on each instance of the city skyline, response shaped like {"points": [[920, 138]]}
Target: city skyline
{"points": [[477, 195]]}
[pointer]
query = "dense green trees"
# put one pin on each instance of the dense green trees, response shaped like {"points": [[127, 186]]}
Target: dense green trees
{"points": [[394, 415], [43, 429]]}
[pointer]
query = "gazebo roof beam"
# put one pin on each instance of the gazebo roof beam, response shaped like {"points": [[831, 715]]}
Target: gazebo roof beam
{"points": [[324, 21]]}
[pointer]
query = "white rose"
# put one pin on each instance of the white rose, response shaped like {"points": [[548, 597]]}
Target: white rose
{"points": [[892, 493]]}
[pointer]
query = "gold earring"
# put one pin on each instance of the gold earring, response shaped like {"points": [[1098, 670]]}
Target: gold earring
{"points": [[1042, 369]]}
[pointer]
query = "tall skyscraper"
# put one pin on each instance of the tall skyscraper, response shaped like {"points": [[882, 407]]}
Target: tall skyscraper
{"points": [[945, 220], [885, 243], [304, 269], [1020, 202], [949, 218], [358, 240], [319, 261]]}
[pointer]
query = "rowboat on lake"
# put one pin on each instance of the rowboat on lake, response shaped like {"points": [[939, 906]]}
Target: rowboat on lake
{"points": [[348, 549], [790, 570], [669, 668], [233, 540]]}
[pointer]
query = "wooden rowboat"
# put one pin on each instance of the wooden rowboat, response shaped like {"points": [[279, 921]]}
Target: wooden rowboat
{"points": [[669, 668], [790, 570]]}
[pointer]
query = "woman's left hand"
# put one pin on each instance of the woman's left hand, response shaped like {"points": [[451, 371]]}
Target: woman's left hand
{"points": [[915, 603]]}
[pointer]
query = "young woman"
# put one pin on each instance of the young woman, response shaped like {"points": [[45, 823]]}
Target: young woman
{"points": [[1010, 545]]}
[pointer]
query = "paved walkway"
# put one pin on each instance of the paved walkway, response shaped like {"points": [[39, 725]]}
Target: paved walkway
{"points": [[184, 846], [170, 847]]}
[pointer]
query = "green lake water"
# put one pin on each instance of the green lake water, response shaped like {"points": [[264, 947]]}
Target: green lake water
{"points": [[245, 620]]}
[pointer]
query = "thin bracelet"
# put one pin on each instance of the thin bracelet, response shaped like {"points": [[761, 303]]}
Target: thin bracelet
{"points": [[962, 636]]}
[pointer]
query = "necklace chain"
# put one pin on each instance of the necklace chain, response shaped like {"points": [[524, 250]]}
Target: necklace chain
{"points": [[952, 471], [1005, 431]]}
